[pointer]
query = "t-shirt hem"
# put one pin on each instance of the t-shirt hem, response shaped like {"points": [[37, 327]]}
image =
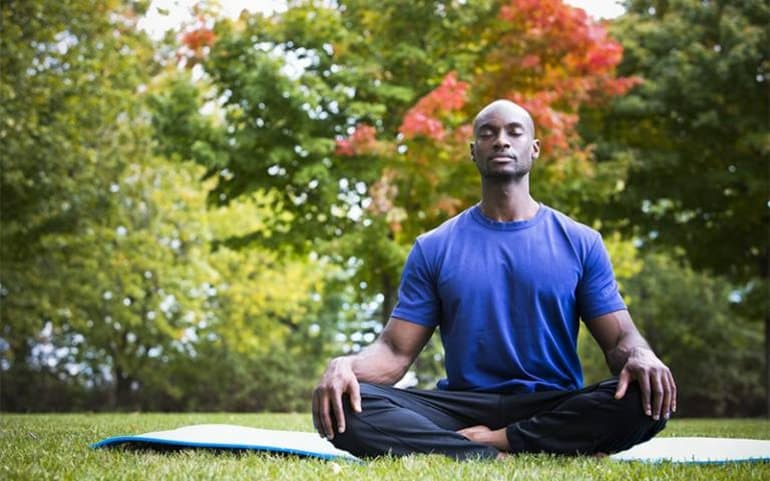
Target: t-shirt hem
{"points": [[408, 317], [604, 311]]}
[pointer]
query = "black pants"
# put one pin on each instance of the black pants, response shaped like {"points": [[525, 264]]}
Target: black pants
{"points": [[405, 421]]}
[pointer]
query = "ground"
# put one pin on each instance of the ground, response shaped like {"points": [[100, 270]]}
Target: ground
{"points": [[55, 446]]}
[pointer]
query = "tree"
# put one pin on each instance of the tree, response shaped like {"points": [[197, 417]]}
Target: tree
{"points": [[366, 142], [70, 71], [145, 298], [108, 280], [695, 138]]}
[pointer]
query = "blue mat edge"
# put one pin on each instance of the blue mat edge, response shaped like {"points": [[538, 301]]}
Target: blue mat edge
{"points": [[668, 461], [117, 440]]}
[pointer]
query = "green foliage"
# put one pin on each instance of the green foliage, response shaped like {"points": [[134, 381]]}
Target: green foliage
{"points": [[68, 116], [57, 446], [69, 75], [291, 85], [315, 104], [149, 301], [695, 139], [131, 278], [695, 133], [112, 295]]}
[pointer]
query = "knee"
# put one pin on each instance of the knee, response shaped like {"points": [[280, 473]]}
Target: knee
{"points": [[356, 431], [631, 425]]}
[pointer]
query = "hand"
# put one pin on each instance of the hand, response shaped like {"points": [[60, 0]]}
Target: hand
{"points": [[655, 381], [483, 435], [338, 380]]}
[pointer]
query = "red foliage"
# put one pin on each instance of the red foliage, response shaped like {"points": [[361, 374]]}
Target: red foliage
{"points": [[551, 58], [199, 38], [424, 118], [195, 43], [361, 141]]}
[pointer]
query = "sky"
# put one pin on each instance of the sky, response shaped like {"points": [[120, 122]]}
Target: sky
{"points": [[156, 23]]}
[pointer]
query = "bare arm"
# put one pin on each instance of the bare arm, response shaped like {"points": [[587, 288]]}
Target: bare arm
{"points": [[630, 357], [383, 362], [387, 359]]}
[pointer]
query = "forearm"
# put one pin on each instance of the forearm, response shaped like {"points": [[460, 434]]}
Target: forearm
{"points": [[378, 363]]}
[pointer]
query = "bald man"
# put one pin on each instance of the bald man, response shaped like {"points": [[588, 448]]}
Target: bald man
{"points": [[507, 281]]}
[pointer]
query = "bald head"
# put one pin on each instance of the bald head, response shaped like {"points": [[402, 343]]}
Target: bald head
{"points": [[504, 106]]}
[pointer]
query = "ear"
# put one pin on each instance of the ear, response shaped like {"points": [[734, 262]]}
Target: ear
{"points": [[535, 149], [472, 151]]}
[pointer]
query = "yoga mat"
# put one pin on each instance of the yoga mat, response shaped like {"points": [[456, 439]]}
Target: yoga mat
{"points": [[228, 436], [697, 450]]}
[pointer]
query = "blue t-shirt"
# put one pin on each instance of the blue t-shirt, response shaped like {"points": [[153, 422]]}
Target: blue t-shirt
{"points": [[507, 297]]}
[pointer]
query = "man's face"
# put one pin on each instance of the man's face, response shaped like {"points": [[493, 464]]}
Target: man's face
{"points": [[504, 146]]}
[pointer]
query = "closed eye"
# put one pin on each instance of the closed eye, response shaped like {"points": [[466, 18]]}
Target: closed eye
{"points": [[485, 133]]}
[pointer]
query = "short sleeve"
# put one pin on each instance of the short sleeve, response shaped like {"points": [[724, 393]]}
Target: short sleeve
{"points": [[597, 292], [417, 298]]}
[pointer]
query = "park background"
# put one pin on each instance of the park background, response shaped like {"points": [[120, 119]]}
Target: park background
{"points": [[199, 221]]}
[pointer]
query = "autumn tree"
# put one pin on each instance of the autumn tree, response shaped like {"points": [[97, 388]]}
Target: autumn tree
{"points": [[361, 122]]}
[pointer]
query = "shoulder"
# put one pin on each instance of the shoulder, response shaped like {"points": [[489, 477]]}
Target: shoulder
{"points": [[445, 231], [574, 229], [579, 238], [433, 245]]}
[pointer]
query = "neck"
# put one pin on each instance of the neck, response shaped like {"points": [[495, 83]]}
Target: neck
{"points": [[506, 201]]}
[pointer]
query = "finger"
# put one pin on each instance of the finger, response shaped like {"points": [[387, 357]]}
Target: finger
{"points": [[326, 420], [656, 383], [622, 384], [339, 411], [355, 396], [673, 392], [644, 387], [665, 409]]}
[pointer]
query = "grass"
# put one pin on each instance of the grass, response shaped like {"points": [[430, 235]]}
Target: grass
{"points": [[55, 446]]}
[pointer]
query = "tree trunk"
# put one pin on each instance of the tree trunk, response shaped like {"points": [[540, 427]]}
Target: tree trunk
{"points": [[122, 395]]}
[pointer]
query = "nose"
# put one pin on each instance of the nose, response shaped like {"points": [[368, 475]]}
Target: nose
{"points": [[501, 141]]}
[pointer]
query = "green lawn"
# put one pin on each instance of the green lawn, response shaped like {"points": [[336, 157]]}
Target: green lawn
{"points": [[55, 446]]}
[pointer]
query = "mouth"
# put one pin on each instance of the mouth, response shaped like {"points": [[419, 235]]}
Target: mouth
{"points": [[502, 158]]}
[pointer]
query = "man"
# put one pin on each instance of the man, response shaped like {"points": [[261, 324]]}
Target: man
{"points": [[506, 281]]}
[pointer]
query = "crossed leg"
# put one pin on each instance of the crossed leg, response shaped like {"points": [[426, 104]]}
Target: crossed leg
{"points": [[588, 421]]}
